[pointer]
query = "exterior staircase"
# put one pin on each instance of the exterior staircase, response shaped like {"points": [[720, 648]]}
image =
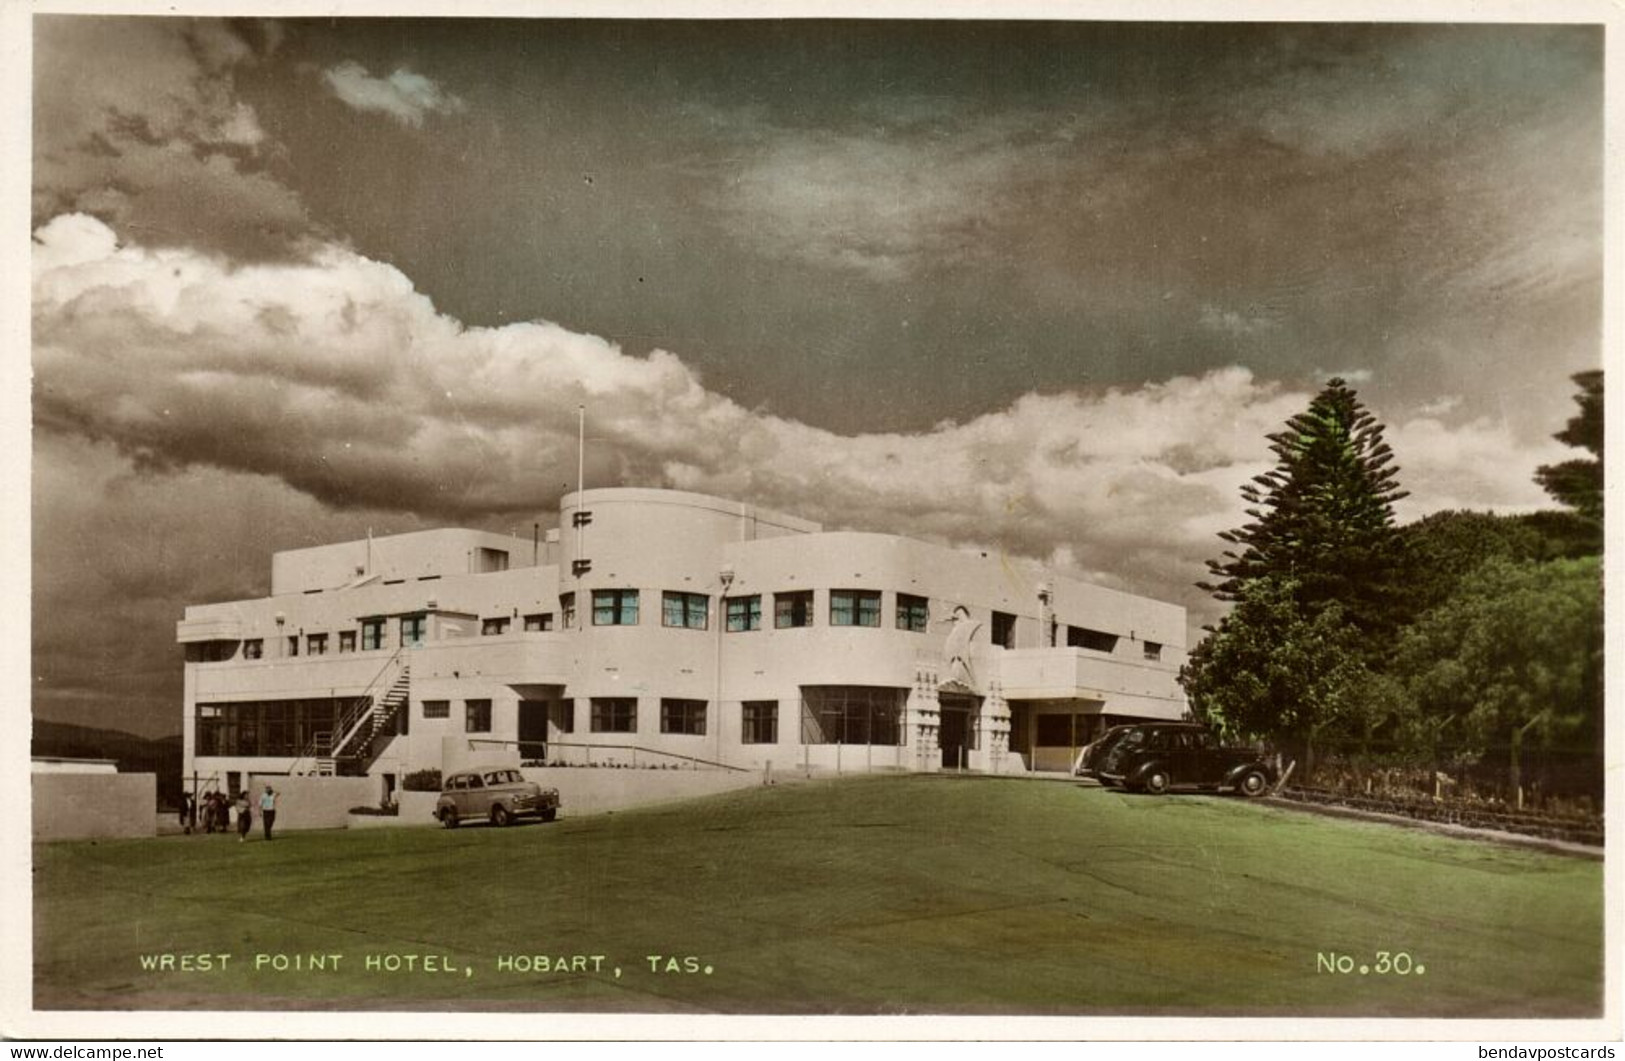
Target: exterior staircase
{"points": [[349, 748]]}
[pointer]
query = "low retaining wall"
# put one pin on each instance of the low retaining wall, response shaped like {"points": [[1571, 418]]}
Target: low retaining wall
{"points": [[94, 806], [593, 790], [312, 802]]}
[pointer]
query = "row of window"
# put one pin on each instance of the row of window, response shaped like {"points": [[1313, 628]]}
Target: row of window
{"points": [[619, 607], [830, 715]]}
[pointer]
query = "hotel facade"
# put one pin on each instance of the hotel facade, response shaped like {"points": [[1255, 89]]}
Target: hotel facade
{"points": [[661, 628]]}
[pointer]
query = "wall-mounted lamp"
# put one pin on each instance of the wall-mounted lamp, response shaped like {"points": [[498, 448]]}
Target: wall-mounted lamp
{"points": [[280, 618]]}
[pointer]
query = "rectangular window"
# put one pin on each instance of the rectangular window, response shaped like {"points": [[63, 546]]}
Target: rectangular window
{"points": [[567, 605], [372, 634], [616, 714], [744, 613], [266, 727], [254, 648], [614, 607], [316, 644], [293, 644], [477, 716], [682, 716], [1094, 640], [563, 715], [759, 722], [491, 627], [913, 613], [854, 607], [437, 709], [1153, 650], [346, 640], [540, 621], [687, 610], [852, 714], [413, 629], [1004, 629], [792, 609], [491, 560]]}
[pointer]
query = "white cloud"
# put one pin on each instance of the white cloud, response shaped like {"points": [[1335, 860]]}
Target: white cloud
{"points": [[403, 95], [338, 378]]}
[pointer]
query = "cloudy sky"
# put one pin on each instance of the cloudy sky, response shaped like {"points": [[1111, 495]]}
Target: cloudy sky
{"points": [[1034, 287]]}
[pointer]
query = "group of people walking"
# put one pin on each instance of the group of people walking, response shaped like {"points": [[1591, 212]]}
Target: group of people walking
{"points": [[215, 812]]}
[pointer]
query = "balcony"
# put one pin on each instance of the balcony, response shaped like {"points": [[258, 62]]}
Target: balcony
{"points": [[1081, 674]]}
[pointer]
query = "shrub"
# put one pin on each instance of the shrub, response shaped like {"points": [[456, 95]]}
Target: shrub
{"points": [[421, 781]]}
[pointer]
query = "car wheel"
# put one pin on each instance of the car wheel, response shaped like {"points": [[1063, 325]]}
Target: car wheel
{"points": [[500, 815], [448, 818], [1156, 782], [549, 815], [1253, 784]]}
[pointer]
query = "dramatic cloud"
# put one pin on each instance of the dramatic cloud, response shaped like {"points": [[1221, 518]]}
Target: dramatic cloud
{"points": [[403, 95], [158, 143], [338, 379]]}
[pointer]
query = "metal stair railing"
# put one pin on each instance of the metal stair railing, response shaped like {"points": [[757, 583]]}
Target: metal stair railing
{"points": [[321, 752]]}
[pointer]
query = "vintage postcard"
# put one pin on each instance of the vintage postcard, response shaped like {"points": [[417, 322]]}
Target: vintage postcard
{"points": [[944, 523]]}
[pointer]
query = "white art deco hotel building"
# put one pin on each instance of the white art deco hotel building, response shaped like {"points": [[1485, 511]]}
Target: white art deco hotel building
{"points": [[666, 628]]}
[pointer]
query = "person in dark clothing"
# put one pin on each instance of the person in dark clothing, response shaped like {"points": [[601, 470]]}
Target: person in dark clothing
{"points": [[245, 817]]}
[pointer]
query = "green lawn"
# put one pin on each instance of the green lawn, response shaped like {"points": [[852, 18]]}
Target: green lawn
{"points": [[898, 894]]}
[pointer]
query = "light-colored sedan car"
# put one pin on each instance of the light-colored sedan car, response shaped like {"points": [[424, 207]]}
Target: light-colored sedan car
{"points": [[499, 796]]}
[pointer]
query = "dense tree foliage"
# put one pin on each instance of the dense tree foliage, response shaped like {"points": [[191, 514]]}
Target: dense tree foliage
{"points": [[1460, 639], [1579, 483], [1515, 653], [1322, 518]]}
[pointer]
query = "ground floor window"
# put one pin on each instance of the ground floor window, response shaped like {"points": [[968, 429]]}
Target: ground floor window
{"points": [[682, 716], [852, 714], [477, 716], [437, 709], [614, 714], [266, 727], [759, 722]]}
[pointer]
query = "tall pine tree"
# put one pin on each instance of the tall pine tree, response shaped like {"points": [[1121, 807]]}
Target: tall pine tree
{"points": [[1578, 483], [1322, 518]]}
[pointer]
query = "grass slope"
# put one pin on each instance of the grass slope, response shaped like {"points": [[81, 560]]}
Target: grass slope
{"points": [[881, 894]]}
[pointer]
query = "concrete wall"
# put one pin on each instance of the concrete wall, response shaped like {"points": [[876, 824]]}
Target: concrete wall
{"points": [[313, 802], [594, 790], [94, 806]]}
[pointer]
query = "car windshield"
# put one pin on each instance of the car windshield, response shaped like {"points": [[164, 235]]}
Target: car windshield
{"points": [[502, 777]]}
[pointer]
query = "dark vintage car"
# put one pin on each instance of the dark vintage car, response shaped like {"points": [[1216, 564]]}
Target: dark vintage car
{"points": [[1173, 756], [1090, 758], [500, 796]]}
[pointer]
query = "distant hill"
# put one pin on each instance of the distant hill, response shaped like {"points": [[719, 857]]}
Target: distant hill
{"points": [[134, 755]]}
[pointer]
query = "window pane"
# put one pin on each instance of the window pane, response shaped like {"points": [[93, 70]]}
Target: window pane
{"points": [[672, 609]]}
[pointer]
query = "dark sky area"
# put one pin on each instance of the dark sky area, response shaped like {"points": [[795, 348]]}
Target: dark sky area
{"points": [[1041, 287]]}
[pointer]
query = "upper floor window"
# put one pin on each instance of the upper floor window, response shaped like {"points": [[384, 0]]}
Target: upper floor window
{"points": [[414, 628], [793, 609], [539, 621], [1004, 629], [372, 634], [1095, 640], [567, 605], [913, 613], [498, 625], [1153, 650], [744, 613], [491, 560], [614, 607], [293, 644], [316, 644], [254, 648], [346, 640], [854, 607], [684, 609]]}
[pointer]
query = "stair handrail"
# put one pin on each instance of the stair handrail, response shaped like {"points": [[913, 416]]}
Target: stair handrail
{"points": [[361, 707], [361, 713]]}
